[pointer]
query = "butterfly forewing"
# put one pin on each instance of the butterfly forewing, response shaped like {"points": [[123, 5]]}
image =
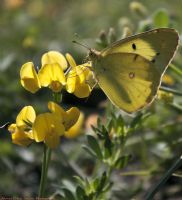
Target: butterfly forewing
{"points": [[157, 46]]}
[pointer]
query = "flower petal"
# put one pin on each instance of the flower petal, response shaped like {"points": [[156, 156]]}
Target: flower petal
{"points": [[82, 90], [47, 127], [71, 81], [80, 72], [40, 127], [72, 117], [29, 78], [12, 128], [55, 108], [26, 116], [52, 140], [71, 60], [19, 137], [75, 130], [53, 76], [53, 57]]}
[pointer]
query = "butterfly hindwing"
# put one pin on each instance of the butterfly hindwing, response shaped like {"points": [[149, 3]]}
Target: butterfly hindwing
{"points": [[129, 80]]}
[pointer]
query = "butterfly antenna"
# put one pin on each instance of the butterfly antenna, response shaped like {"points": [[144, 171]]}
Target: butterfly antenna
{"points": [[83, 45]]}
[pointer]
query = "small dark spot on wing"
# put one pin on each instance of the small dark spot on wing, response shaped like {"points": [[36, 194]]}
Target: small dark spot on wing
{"points": [[104, 69], [135, 57], [131, 75], [134, 46], [153, 61]]}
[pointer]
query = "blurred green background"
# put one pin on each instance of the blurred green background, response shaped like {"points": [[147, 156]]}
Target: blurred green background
{"points": [[29, 28]]}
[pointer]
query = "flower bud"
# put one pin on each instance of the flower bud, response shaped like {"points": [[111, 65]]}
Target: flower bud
{"points": [[138, 9]]}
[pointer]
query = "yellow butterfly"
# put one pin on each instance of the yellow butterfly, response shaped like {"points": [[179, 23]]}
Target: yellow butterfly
{"points": [[129, 71]]}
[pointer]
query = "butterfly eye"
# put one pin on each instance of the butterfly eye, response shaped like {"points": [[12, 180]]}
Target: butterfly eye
{"points": [[91, 54]]}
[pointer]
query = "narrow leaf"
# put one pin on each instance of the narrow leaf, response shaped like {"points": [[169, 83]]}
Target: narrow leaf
{"points": [[68, 194], [94, 145], [88, 150]]}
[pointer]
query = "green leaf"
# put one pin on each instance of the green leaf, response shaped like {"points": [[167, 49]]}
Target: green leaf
{"points": [[176, 69], [138, 119], [80, 193], [96, 184], [122, 161], [102, 182], [161, 19], [94, 129], [108, 147], [164, 178], [68, 194], [170, 90], [88, 150], [107, 186], [80, 181], [99, 122], [94, 145], [109, 125], [120, 126]]}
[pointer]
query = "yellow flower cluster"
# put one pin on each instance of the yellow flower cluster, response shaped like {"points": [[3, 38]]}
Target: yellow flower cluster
{"points": [[51, 74], [46, 127]]}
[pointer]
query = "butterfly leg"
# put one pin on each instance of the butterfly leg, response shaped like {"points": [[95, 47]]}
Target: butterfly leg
{"points": [[91, 81]]}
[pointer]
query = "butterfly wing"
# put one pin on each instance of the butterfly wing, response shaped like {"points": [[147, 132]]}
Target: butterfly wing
{"points": [[157, 46], [129, 80]]}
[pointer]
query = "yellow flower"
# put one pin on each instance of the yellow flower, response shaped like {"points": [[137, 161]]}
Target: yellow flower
{"points": [[52, 76], [21, 131], [75, 130], [167, 79], [48, 128], [69, 118], [77, 78], [29, 78], [165, 96], [19, 136], [53, 57], [26, 116]]}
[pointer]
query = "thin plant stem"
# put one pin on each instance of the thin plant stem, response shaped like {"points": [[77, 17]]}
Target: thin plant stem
{"points": [[176, 106], [163, 180], [166, 89], [43, 173], [48, 158], [45, 165], [176, 69]]}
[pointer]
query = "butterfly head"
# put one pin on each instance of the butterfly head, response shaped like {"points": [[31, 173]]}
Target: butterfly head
{"points": [[93, 54]]}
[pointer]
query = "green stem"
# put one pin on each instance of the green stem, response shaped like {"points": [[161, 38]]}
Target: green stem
{"points": [[166, 89], [163, 180], [48, 157], [176, 69], [45, 165], [43, 174], [176, 106]]}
